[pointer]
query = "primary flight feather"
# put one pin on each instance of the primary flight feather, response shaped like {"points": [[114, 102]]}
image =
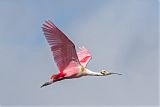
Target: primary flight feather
{"points": [[70, 63]]}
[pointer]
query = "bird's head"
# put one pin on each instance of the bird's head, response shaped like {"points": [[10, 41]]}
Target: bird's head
{"points": [[105, 72]]}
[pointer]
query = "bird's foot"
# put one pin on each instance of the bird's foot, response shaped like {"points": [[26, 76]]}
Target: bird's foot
{"points": [[45, 84]]}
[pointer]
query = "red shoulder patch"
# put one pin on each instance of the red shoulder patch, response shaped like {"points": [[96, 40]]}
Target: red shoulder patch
{"points": [[57, 76], [85, 59]]}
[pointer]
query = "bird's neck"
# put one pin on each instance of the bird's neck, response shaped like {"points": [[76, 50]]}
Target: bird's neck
{"points": [[91, 73]]}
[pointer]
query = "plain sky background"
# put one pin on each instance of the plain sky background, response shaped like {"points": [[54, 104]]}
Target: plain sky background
{"points": [[122, 36]]}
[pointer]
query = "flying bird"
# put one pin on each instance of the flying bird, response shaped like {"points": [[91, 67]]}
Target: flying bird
{"points": [[71, 64]]}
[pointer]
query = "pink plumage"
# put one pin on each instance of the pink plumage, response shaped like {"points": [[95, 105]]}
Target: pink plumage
{"points": [[70, 63], [84, 56], [63, 49]]}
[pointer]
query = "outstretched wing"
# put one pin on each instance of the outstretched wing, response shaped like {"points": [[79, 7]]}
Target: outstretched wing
{"points": [[63, 49], [84, 56]]}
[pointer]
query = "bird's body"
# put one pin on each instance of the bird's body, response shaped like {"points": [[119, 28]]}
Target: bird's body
{"points": [[71, 64]]}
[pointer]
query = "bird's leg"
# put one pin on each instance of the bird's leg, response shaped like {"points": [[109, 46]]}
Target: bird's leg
{"points": [[47, 83], [54, 78]]}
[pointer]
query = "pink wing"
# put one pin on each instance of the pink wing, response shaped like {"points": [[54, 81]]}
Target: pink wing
{"points": [[84, 56], [63, 49]]}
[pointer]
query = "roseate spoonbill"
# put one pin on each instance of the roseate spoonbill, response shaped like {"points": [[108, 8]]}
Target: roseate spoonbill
{"points": [[70, 64]]}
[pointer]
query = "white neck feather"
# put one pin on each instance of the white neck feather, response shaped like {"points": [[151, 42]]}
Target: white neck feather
{"points": [[91, 73]]}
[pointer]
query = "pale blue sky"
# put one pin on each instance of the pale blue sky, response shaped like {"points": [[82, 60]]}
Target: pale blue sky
{"points": [[122, 36]]}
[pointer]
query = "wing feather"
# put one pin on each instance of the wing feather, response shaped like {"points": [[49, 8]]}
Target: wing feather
{"points": [[84, 56], [62, 48]]}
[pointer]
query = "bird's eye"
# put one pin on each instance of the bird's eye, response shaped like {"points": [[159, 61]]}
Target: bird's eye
{"points": [[104, 72]]}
